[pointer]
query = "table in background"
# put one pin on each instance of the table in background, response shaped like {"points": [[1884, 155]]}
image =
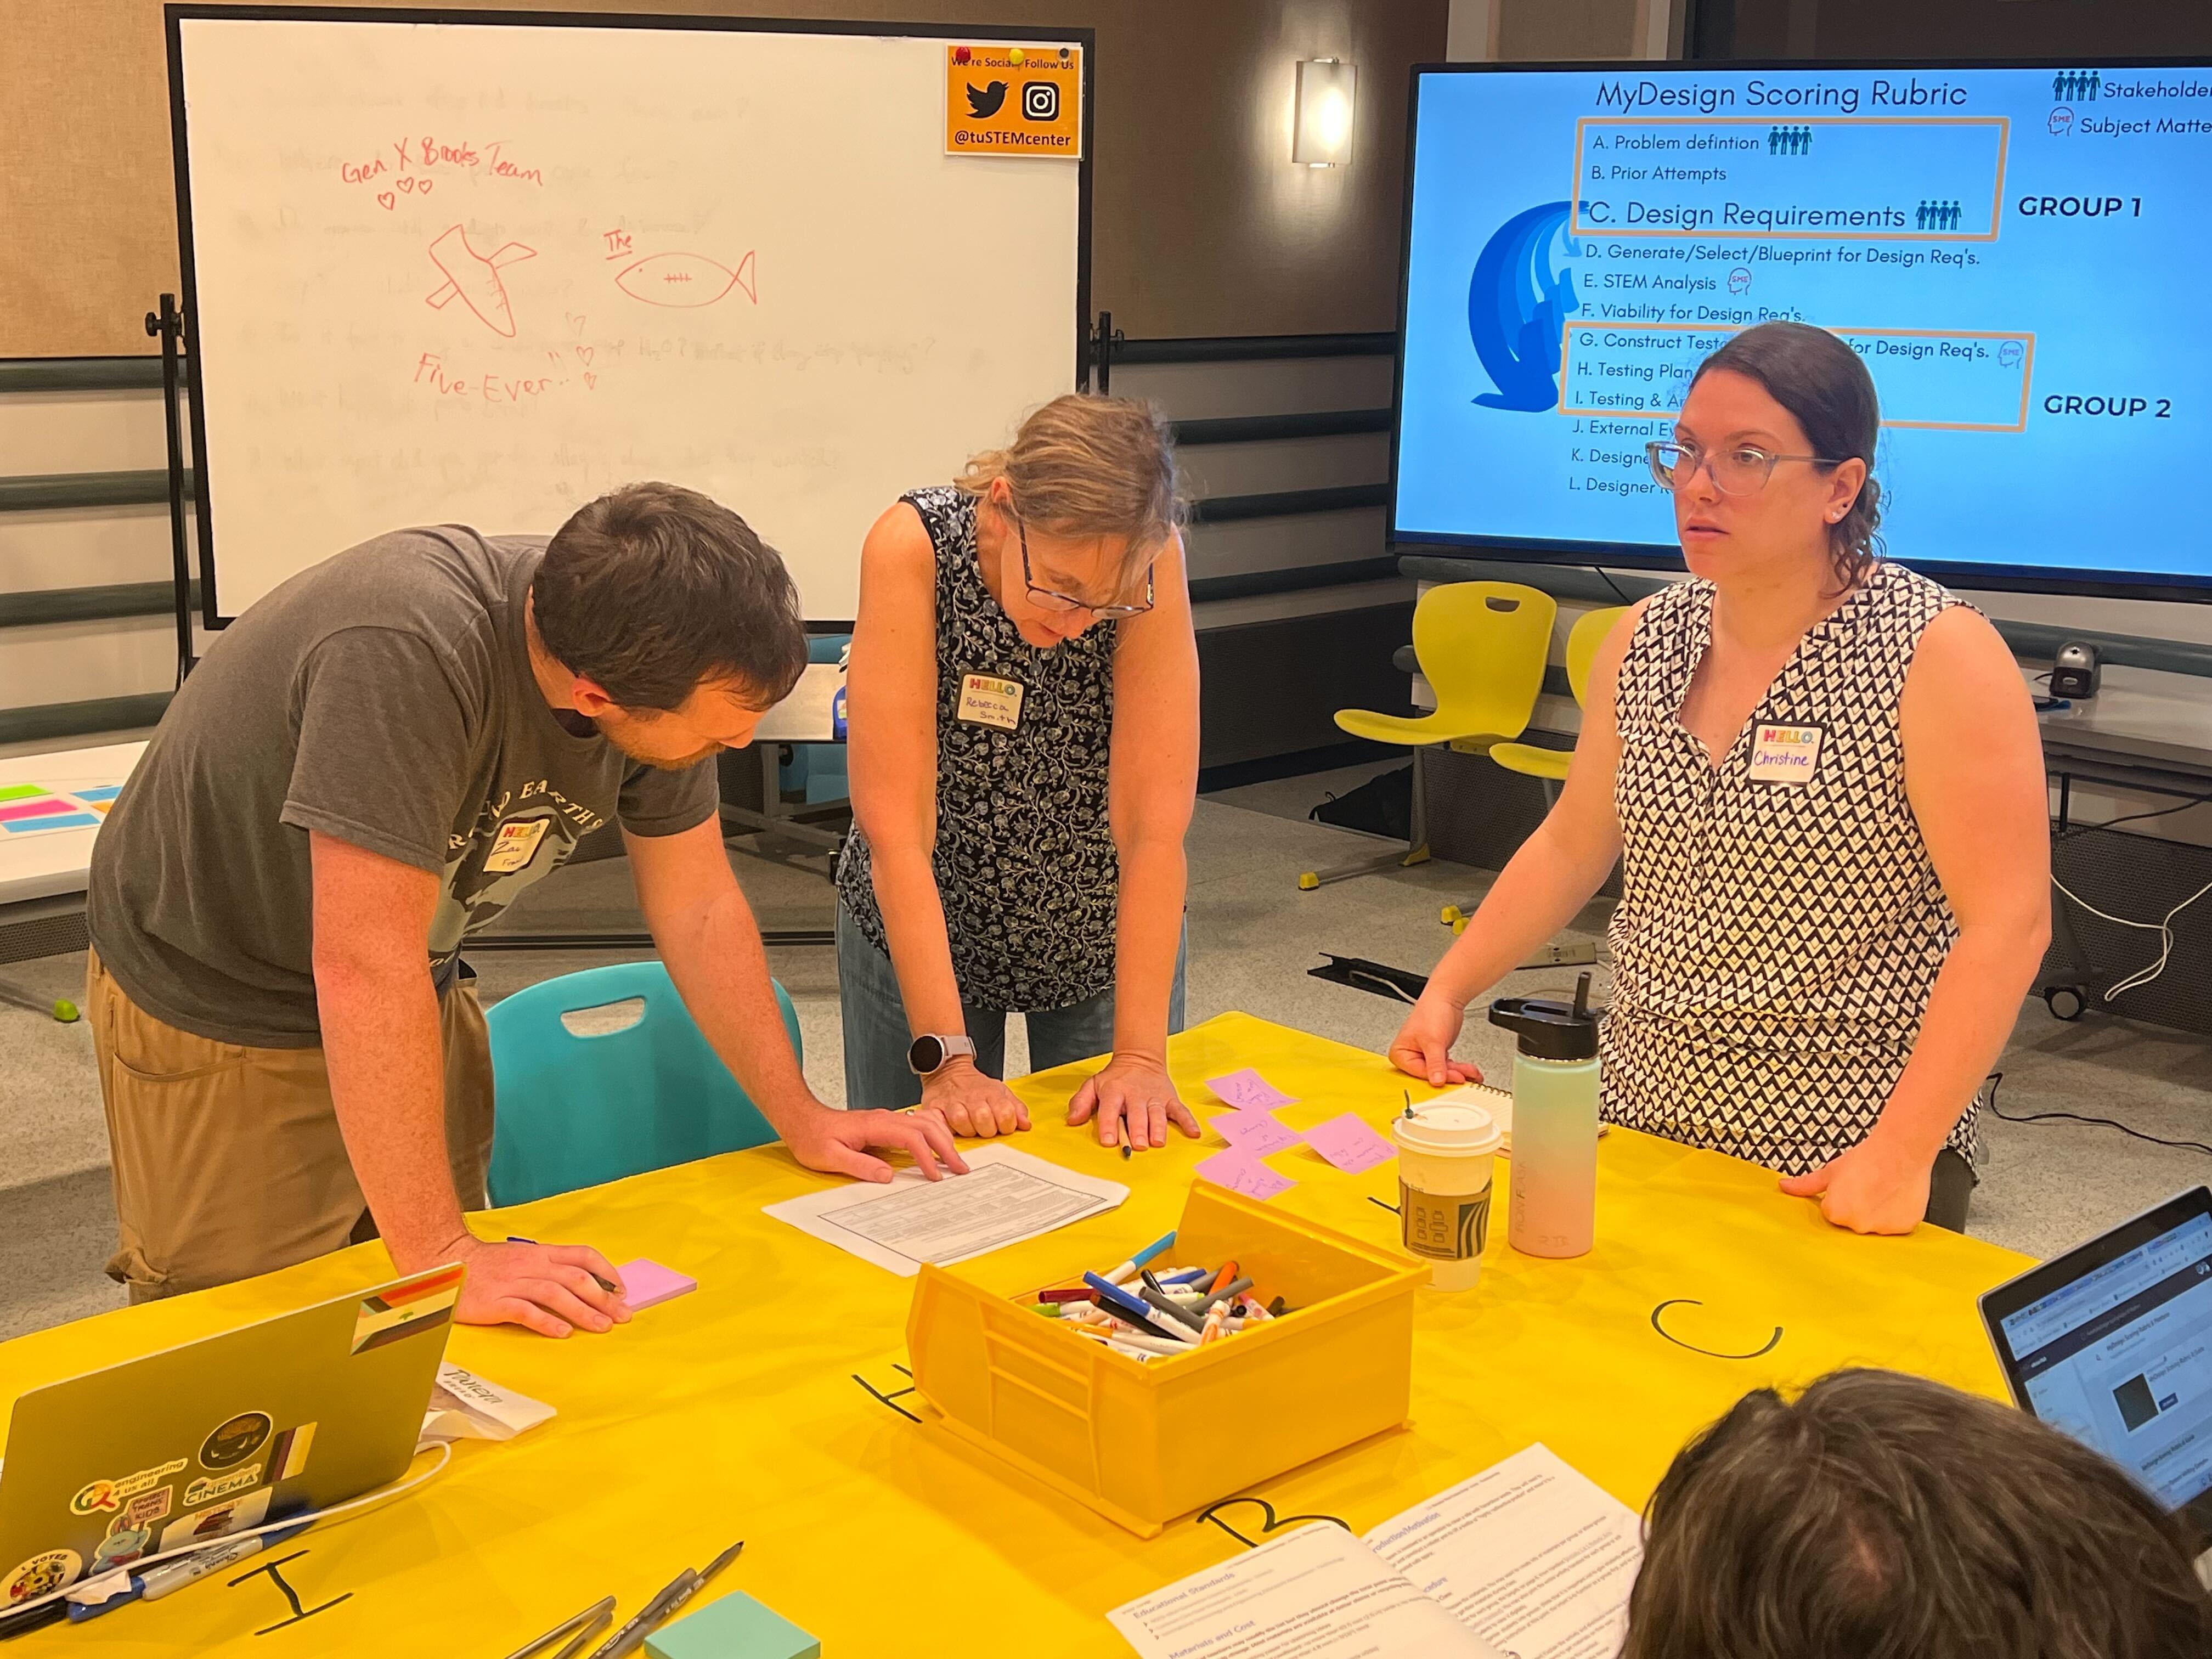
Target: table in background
{"points": [[43, 876], [770, 1405]]}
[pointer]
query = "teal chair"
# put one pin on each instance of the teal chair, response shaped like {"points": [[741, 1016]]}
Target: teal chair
{"points": [[574, 1111]]}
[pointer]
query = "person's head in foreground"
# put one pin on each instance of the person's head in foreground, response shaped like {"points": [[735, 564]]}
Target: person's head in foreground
{"points": [[1771, 460], [659, 614], [1885, 1517], [1071, 515]]}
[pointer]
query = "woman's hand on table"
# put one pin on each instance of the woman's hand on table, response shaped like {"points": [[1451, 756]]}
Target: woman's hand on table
{"points": [[1422, 1046], [1877, 1186], [1133, 1101], [972, 1101], [837, 1143]]}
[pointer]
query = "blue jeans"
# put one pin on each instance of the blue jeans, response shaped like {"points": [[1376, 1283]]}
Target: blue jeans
{"points": [[876, 1036]]}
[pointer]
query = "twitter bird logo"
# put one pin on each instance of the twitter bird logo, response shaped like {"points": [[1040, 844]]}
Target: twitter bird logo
{"points": [[984, 104]]}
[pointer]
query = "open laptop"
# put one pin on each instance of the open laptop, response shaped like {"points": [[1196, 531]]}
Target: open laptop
{"points": [[2112, 1342], [294, 1414]]}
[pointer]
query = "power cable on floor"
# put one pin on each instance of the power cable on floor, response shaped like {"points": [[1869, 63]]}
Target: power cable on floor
{"points": [[1990, 1102]]}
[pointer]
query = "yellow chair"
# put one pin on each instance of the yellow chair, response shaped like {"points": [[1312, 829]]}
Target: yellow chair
{"points": [[1482, 647], [1583, 640]]}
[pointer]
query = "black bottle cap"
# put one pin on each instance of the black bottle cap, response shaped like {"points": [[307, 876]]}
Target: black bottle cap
{"points": [[1549, 1029]]}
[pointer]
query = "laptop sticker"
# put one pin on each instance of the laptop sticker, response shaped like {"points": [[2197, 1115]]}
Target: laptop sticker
{"points": [[224, 1518], [209, 1488], [405, 1310], [97, 1495], [42, 1575], [232, 1443], [145, 1507], [288, 1453], [121, 1547]]}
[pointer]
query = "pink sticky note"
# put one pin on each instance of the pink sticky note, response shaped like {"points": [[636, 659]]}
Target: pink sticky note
{"points": [[645, 1283], [1255, 1130], [1349, 1143], [45, 808], [1240, 1172], [1248, 1088]]}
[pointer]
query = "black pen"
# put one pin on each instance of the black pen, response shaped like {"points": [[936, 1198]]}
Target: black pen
{"points": [[612, 1290], [663, 1607]]}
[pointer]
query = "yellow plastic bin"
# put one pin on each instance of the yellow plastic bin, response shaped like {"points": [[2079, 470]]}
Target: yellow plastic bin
{"points": [[1143, 1442]]}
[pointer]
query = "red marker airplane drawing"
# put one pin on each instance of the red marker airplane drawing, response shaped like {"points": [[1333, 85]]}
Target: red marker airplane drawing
{"points": [[473, 278]]}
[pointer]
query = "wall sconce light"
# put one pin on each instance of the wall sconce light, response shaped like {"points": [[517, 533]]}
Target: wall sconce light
{"points": [[1322, 131]]}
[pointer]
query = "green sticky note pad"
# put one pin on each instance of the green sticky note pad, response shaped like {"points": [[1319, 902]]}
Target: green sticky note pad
{"points": [[19, 791], [735, 1627]]}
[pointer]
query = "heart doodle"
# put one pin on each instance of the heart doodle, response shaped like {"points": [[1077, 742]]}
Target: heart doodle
{"points": [[424, 185], [575, 322], [584, 354], [1269, 1521], [406, 183], [386, 200], [590, 381]]}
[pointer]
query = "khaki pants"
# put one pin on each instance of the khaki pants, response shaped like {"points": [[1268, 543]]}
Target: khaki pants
{"points": [[227, 1160]]}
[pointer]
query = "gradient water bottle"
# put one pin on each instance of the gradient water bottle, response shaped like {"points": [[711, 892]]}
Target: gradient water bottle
{"points": [[1554, 1150]]}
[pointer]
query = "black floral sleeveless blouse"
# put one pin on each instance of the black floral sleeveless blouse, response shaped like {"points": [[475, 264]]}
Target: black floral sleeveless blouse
{"points": [[1024, 857], [1781, 924]]}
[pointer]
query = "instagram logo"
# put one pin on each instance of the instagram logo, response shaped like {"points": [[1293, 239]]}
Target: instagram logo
{"points": [[1040, 100]]}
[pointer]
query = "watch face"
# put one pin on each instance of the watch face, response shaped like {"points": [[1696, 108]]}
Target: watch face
{"points": [[925, 1055]]}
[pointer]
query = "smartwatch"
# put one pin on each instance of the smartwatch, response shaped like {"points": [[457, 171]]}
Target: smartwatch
{"points": [[926, 1055]]}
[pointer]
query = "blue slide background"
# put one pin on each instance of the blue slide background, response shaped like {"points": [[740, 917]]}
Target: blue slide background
{"points": [[2116, 304]]}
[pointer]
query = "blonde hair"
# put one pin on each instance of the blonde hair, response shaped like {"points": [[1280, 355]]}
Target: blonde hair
{"points": [[1083, 467]]}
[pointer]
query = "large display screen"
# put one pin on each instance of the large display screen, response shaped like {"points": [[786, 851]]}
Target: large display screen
{"points": [[2018, 254]]}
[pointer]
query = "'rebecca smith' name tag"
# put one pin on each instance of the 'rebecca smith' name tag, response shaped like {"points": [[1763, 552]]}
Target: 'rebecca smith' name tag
{"points": [[985, 700], [1785, 754]]}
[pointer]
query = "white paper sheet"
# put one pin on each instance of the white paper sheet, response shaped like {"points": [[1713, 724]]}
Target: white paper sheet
{"points": [[1531, 1553], [1005, 1197], [1317, 1593]]}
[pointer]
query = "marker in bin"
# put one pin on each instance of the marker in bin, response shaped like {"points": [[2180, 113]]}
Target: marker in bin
{"points": [[1161, 1314]]}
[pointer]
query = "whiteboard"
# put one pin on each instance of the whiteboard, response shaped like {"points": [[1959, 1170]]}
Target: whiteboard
{"points": [[482, 272]]}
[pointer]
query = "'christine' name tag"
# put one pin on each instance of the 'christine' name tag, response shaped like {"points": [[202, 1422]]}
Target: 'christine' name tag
{"points": [[1785, 754], [987, 701]]}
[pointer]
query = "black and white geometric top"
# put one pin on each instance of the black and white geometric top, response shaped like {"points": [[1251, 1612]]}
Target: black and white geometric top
{"points": [[1024, 857], [1782, 924]]}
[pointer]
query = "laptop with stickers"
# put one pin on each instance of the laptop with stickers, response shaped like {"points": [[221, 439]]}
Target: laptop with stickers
{"points": [[294, 1414]]}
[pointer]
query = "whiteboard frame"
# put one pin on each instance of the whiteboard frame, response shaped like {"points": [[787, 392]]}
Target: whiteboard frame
{"points": [[174, 16]]}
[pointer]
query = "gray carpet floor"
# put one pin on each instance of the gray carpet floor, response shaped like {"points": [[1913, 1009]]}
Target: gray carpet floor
{"points": [[2046, 1185]]}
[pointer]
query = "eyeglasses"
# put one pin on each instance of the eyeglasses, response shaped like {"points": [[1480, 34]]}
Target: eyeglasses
{"points": [[1741, 471], [1046, 600]]}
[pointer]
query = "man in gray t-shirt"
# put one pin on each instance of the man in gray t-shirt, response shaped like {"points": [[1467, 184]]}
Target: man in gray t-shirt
{"points": [[368, 766]]}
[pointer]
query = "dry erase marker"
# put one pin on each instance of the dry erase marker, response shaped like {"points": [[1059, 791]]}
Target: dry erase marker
{"points": [[1142, 1258], [610, 1289]]}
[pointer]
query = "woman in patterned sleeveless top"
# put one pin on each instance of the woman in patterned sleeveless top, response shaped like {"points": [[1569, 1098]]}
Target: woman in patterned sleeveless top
{"points": [[1024, 717], [1822, 776]]}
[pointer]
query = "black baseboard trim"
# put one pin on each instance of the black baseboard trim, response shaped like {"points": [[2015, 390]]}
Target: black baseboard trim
{"points": [[1353, 751]]}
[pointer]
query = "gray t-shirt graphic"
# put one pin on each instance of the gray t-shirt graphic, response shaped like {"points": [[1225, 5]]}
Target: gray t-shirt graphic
{"points": [[384, 697]]}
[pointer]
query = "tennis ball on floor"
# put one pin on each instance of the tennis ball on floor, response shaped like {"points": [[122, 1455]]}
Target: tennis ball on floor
{"points": [[65, 1011]]}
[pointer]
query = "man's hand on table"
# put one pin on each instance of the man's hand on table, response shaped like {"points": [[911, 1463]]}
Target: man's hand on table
{"points": [[837, 1142], [551, 1289], [1877, 1186], [972, 1101], [1134, 1101]]}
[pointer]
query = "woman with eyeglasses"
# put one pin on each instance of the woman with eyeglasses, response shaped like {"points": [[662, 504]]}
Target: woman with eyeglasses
{"points": [[1823, 779], [1023, 720]]}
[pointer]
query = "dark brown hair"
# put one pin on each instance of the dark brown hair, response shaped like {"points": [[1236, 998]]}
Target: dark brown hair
{"points": [[1885, 1517], [652, 588], [1827, 390]]}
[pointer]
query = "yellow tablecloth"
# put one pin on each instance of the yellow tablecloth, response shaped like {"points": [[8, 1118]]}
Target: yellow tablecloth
{"points": [[740, 1410]]}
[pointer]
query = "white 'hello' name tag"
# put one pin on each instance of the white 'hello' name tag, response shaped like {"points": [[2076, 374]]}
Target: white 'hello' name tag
{"points": [[985, 700], [1785, 754]]}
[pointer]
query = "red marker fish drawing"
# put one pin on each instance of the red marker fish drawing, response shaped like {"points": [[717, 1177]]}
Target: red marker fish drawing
{"points": [[685, 279]]}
